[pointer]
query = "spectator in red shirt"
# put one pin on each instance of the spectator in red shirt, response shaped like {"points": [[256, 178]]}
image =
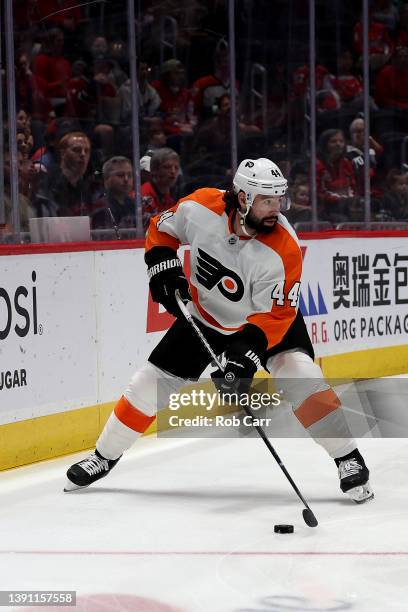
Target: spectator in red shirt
{"points": [[156, 196], [326, 97], [336, 181], [208, 89], [53, 69], [31, 89], [391, 86], [380, 44], [347, 85], [176, 101]]}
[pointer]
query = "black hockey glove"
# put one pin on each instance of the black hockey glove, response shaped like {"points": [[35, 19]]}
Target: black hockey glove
{"points": [[166, 275], [244, 356]]}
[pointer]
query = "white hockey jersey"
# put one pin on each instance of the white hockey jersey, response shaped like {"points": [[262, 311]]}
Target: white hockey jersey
{"points": [[234, 280]]}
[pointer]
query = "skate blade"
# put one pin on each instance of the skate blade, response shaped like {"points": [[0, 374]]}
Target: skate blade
{"points": [[71, 486], [361, 494]]}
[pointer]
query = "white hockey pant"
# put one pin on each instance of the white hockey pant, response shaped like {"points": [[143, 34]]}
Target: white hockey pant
{"points": [[147, 392], [314, 402]]}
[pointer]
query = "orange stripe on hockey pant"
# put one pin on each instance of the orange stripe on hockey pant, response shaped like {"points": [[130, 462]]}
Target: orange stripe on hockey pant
{"points": [[131, 416], [317, 406]]}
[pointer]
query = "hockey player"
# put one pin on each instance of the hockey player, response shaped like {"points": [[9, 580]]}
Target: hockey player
{"points": [[244, 289]]}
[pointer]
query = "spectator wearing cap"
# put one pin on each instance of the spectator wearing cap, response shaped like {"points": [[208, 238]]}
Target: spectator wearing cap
{"points": [[117, 207], [66, 191], [176, 100], [156, 193]]}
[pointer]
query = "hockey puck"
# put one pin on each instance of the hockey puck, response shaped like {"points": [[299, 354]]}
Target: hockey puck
{"points": [[283, 529]]}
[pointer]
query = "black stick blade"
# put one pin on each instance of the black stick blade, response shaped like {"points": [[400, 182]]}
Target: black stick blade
{"points": [[309, 518]]}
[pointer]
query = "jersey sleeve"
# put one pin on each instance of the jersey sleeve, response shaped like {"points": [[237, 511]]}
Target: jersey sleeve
{"points": [[166, 229], [276, 296]]}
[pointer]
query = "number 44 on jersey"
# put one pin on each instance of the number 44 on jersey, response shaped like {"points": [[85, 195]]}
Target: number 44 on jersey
{"points": [[278, 294]]}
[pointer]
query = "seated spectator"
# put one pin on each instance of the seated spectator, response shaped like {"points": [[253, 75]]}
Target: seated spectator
{"points": [[394, 204], [391, 85], [346, 84], [65, 192], [355, 153], [103, 144], [380, 44], [155, 138], [102, 57], [156, 196], [212, 140], [401, 35], [335, 179], [47, 157], [300, 209], [326, 98], [208, 89], [31, 89], [176, 101], [24, 143], [116, 208], [53, 69], [92, 97], [149, 99], [26, 210]]}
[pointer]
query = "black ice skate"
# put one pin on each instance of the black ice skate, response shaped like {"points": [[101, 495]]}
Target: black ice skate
{"points": [[353, 474], [88, 471]]}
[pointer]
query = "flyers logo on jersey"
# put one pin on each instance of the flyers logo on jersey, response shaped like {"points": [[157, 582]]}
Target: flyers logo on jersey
{"points": [[211, 273]]}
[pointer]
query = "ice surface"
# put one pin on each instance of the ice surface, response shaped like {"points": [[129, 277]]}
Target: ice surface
{"points": [[187, 526]]}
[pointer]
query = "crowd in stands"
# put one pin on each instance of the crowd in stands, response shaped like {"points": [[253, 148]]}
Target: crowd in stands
{"points": [[74, 111]]}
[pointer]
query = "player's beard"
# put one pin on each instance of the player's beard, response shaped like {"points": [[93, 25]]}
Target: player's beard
{"points": [[259, 224]]}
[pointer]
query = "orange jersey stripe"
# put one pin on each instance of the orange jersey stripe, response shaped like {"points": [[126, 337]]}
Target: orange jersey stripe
{"points": [[131, 416], [155, 237], [210, 198], [317, 406]]}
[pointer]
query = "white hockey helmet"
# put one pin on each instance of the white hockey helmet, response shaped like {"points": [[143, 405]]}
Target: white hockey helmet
{"points": [[261, 177]]}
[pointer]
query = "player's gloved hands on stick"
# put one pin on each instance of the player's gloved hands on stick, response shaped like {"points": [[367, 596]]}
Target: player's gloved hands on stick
{"points": [[166, 275], [244, 356]]}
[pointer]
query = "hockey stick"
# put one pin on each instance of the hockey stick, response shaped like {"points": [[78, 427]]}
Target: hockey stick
{"points": [[307, 513]]}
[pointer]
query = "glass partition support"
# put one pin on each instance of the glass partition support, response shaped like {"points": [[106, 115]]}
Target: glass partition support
{"points": [[135, 116], [2, 207], [366, 107], [12, 113], [312, 72], [233, 84]]}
